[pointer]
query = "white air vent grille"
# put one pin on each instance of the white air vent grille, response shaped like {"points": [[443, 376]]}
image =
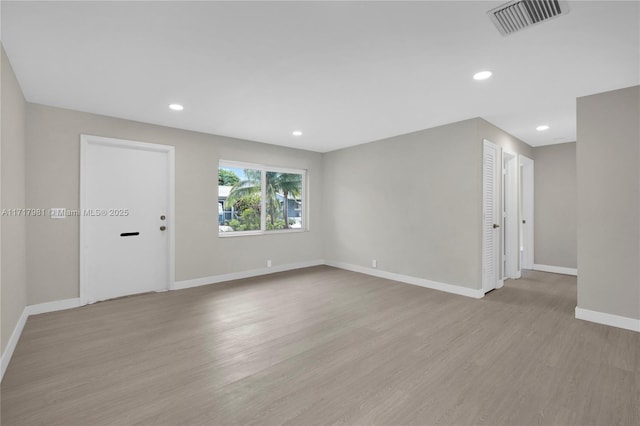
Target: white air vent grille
{"points": [[520, 14]]}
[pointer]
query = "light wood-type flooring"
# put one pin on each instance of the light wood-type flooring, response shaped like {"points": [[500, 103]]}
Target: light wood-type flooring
{"points": [[326, 346]]}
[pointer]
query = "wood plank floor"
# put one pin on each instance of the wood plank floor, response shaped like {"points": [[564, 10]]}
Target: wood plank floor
{"points": [[326, 346]]}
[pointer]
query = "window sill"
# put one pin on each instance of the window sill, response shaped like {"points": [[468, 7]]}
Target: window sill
{"points": [[254, 233]]}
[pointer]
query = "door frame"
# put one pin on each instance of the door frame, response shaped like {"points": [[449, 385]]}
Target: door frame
{"points": [[85, 142], [496, 219], [527, 200], [511, 216]]}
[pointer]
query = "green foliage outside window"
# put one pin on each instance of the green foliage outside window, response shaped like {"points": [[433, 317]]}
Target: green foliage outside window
{"points": [[282, 199], [227, 177]]}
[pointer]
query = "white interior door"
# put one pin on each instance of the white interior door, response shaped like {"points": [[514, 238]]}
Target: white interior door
{"points": [[526, 209], [126, 218], [491, 171], [511, 248]]}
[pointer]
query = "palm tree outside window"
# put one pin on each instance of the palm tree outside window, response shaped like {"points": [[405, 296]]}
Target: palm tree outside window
{"points": [[259, 199]]}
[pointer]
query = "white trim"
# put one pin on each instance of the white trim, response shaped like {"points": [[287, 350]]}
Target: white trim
{"points": [[13, 342], [259, 166], [214, 279], [264, 169], [171, 222], [555, 269], [58, 305], [85, 140], [449, 288], [510, 235], [583, 314], [490, 282], [500, 283], [29, 310], [83, 189], [527, 209], [263, 201], [231, 234], [608, 319]]}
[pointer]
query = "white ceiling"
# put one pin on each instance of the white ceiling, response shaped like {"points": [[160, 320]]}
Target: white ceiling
{"points": [[344, 73]]}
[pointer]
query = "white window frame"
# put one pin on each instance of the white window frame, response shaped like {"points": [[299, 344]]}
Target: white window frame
{"points": [[263, 168]]}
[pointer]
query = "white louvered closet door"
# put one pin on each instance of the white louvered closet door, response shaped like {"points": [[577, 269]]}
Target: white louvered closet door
{"points": [[490, 216]]}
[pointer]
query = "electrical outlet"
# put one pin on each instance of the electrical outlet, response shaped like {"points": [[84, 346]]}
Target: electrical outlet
{"points": [[374, 263], [269, 263]]}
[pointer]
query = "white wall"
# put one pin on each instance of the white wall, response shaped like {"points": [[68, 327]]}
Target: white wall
{"points": [[608, 168]]}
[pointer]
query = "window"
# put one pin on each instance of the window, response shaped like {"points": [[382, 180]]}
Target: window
{"points": [[239, 199], [255, 199]]}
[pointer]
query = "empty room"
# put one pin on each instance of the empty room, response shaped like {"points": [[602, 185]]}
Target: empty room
{"points": [[320, 212]]}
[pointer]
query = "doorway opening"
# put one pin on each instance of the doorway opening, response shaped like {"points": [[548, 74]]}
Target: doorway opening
{"points": [[508, 199], [510, 217], [526, 212]]}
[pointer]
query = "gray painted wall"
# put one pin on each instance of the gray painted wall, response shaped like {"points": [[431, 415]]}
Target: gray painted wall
{"points": [[13, 247], [53, 170], [556, 199], [413, 202], [608, 158], [504, 140]]}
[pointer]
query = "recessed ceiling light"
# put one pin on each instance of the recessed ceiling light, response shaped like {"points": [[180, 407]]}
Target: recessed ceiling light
{"points": [[482, 75], [542, 128], [296, 133], [176, 107]]}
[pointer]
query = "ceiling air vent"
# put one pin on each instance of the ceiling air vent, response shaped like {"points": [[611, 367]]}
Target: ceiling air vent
{"points": [[519, 14]]}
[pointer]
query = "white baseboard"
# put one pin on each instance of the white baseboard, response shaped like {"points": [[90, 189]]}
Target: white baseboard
{"points": [[58, 305], [29, 310], [555, 269], [214, 279], [608, 319], [449, 288], [584, 314], [13, 341]]}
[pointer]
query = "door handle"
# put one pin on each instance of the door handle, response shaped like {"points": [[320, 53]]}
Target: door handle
{"points": [[496, 226], [163, 228]]}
